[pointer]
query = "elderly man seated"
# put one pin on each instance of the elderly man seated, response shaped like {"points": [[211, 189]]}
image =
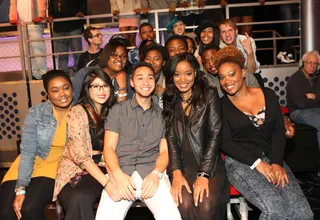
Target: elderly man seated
{"points": [[303, 92]]}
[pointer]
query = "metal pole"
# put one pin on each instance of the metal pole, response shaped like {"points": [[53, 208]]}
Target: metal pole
{"points": [[23, 43], [156, 23], [227, 12], [22, 59], [274, 45], [52, 46], [310, 17], [27, 49]]}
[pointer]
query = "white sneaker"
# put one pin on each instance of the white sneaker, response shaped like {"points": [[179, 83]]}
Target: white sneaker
{"points": [[283, 57], [290, 59]]}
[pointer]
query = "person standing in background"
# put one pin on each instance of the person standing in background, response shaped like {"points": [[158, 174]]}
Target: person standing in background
{"points": [[192, 17], [32, 11], [127, 22], [65, 9], [163, 18], [241, 14], [94, 38], [289, 12]]}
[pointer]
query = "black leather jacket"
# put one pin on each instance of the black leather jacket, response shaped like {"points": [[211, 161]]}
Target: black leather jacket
{"points": [[204, 133]]}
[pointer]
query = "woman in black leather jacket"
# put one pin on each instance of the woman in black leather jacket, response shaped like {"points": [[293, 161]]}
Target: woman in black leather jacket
{"points": [[193, 131]]}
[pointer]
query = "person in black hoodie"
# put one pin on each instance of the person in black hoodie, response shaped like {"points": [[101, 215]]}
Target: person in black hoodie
{"points": [[64, 9]]}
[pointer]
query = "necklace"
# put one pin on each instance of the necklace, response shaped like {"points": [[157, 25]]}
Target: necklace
{"points": [[186, 101]]}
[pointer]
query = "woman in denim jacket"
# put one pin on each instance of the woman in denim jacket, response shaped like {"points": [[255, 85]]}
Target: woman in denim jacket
{"points": [[29, 183]]}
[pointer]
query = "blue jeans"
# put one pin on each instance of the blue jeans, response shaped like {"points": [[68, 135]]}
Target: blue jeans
{"points": [[38, 64], [310, 116], [274, 203], [63, 45], [164, 19]]}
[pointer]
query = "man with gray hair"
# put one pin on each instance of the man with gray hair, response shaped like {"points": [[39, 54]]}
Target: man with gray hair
{"points": [[303, 92]]}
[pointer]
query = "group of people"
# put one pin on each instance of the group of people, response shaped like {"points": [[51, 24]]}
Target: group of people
{"points": [[155, 131], [128, 14]]}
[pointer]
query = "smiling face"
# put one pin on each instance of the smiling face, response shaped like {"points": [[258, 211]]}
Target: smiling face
{"points": [[208, 61], [154, 57], [96, 38], [231, 77], [117, 61], [179, 28], [147, 33], [228, 34], [206, 36], [99, 92], [190, 45], [143, 82], [184, 77], [60, 92], [176, 46]]}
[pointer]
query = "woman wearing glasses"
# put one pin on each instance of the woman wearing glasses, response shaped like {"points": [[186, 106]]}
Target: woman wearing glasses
{"points": [[80, 175], [114, 62]]}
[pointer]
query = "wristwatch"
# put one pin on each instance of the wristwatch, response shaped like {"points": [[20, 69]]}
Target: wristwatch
{"points": [[203, 175], [160, 175], [21, 190]]}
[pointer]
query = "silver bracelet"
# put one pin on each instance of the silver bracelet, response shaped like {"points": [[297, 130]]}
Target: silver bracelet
{"points": [[122, 95], [256, 163], [21, 192]]}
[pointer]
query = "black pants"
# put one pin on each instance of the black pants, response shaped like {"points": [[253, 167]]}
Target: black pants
{"points": [[77, 201], [192, 19], [39, 194]]}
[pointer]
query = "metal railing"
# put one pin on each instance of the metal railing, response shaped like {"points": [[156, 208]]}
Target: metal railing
{"points": [[25, 50]]}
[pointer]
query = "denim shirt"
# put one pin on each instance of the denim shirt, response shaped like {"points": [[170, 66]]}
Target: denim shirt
{"points": [[37, 136]]}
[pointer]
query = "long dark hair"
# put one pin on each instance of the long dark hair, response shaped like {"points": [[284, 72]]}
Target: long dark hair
{"points": [[171, 93], [86, 101], [215, 40]]}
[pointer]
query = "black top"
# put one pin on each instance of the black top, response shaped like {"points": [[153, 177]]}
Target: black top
{"points": [[86, 57], [68, 8], [297, 88], [93, 133], [203, 131], [244, 142]]}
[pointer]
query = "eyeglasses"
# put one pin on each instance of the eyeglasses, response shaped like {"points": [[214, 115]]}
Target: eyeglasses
{"points": [[96, 35], [97, 88], [311, 63], [116, 56]]}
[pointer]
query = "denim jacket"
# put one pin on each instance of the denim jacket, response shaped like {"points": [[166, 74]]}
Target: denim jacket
{"points": [[37, 136]]}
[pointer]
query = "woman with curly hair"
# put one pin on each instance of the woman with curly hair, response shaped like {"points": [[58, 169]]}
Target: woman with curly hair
{"points": [[254, 141], [81, 171], [193, 131]]}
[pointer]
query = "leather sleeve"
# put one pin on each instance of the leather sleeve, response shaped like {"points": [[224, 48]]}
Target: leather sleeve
{"points": [[174, 150], [212, 149], [278, 137]]}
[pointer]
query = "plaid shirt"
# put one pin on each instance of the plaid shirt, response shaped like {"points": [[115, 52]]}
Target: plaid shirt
{"points": [[192, 3]]}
